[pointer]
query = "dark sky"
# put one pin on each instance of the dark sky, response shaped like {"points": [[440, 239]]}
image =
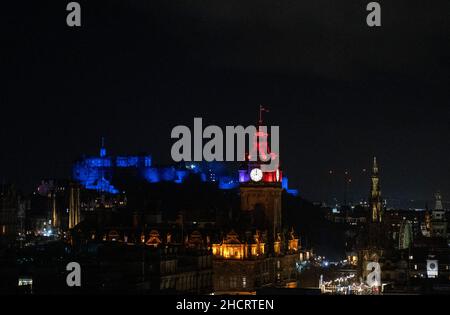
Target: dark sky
{"points": [[340, 91]]}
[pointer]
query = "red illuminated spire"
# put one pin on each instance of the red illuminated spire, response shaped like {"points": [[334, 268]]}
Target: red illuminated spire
{"points": [[261, 148], [260, 140]]}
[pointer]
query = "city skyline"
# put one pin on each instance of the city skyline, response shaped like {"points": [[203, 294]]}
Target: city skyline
{"points": [[225, 151], [341, 186]]}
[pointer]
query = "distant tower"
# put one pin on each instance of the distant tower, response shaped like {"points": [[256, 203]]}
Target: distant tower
{"points": [[74, 206], [438, 199], [427, 218], [375, 194], [438, 218], [55, 217]]}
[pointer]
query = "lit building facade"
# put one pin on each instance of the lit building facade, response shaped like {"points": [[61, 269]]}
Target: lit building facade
{"points": [[154, 259], [11, 211], [74, 206], [241, 266]]}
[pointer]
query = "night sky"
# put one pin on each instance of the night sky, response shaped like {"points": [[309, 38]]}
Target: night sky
{"points": [[340, 91]]}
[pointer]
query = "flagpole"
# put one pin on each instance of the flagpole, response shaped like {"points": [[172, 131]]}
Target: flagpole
{"points": [[260, 114], [261, 110]]}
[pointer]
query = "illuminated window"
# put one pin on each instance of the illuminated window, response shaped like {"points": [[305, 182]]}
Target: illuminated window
{"points": [[25, 282], [233, 282]]}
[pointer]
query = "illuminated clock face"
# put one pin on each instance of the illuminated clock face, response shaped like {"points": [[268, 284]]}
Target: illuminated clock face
{"points": [[256, 174]]}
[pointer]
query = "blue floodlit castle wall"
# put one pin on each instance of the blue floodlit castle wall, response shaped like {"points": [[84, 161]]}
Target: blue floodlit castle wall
{"points": [[96, 172]]}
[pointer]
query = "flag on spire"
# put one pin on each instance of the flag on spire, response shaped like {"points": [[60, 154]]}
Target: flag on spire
{"points": [[261, 110]]}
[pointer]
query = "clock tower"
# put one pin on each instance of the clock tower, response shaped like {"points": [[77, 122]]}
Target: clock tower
{"points": [[260, 190]]}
